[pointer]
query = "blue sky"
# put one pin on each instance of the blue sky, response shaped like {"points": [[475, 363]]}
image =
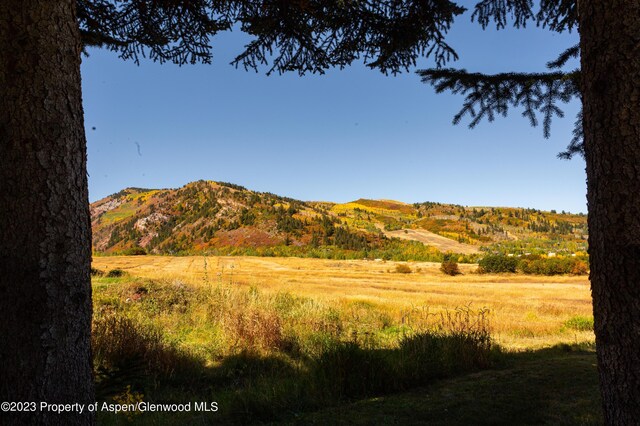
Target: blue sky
{"points": [[344, 135]]}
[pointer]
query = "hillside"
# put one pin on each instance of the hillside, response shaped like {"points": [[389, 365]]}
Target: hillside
{"points": [[224, 218]]}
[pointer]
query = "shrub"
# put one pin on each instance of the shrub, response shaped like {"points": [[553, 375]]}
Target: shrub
{"points": [[450, 267], [115, 273], [497, 263], [579, 268], [135, 251], [552, 266], [403, 269]]}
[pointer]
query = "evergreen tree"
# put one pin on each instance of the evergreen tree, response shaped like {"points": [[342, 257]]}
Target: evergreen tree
{"points": [[606, 134], [315, 240]]}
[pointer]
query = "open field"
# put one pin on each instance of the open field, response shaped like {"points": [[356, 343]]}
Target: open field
{"points": [[524, 311], [311, 341]]}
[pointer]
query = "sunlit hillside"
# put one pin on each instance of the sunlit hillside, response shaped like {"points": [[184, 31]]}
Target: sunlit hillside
{"points": [[223, 218]]}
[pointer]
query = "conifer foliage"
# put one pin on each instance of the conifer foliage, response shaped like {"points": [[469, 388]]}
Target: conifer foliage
{"points": [[537, 94], [314, 35], [302, 36]]}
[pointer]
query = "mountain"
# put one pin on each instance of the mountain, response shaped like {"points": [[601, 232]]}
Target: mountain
{"points": [[223, 218]]}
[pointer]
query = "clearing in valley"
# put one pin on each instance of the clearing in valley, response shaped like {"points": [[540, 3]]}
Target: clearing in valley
{"points": [[430, 239], [525, 311]]}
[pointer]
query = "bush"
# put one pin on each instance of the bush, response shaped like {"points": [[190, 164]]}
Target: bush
{"points": [[579, 268], [403, 269], [115, 273], [135, 251], [497, 263], [450, 267], [552, 266]]}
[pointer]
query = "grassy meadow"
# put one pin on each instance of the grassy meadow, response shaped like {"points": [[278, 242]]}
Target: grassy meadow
{"points": [[302, 341]]}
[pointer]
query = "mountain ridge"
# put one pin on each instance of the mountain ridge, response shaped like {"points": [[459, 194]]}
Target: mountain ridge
{"points": [[206, 216]]}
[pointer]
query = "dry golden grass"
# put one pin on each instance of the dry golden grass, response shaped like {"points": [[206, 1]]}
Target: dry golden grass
{"points": [[525, 311]]}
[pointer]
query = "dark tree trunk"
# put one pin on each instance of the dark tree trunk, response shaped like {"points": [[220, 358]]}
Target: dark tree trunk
{"points": [[610, 45], [45, 292]]}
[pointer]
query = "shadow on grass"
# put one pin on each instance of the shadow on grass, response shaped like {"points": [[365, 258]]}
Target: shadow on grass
{"points": [[451, 376], [556, 386], [252, 388], [356, 386]]}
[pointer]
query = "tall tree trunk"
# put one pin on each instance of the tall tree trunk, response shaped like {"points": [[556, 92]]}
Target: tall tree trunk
{"points": [[610, 45], [45, 292]]}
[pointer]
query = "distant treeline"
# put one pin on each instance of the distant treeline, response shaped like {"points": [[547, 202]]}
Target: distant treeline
{"points": [[534, 264], [394, 250]]}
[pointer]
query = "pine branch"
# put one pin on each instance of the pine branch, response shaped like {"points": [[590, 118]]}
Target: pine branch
{"points": [[176, 31], [576, 146], [571, 53], [557, 15], [314, 35], [302, 35], [388, 36], [488, 96], [499, 11]]}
